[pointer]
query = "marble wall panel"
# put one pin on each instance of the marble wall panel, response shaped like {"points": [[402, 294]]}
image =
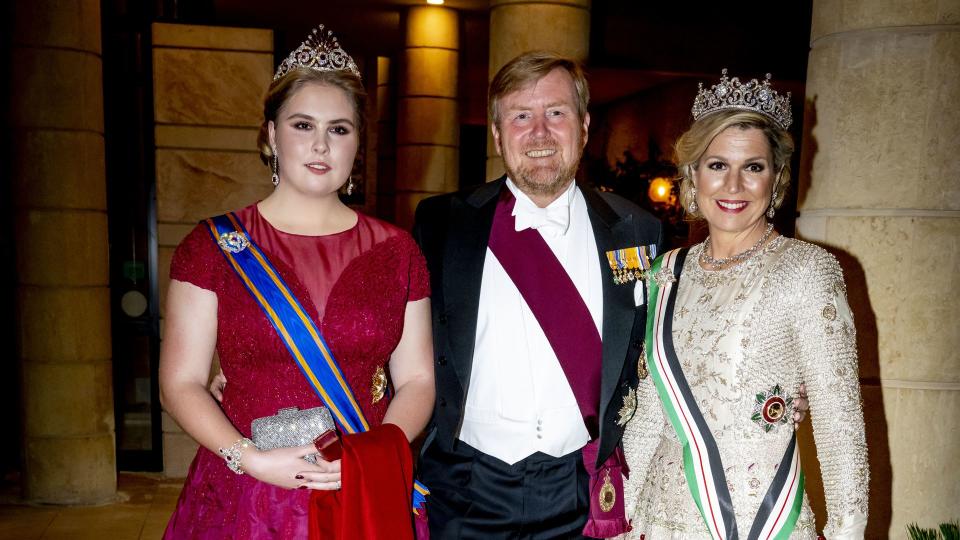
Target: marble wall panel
{"points": [[55, 248], [427, 168], [170, 234], [57, 88], [901, 296], [217, 88], [68, 399], [833, 16], [430, 72], [924, 454], [427, 121], [64, 324], [60, 169], [178, 451], [164, 256], [212, 37], [193, 184], [51, 473], [206, 138], [901, 88]]}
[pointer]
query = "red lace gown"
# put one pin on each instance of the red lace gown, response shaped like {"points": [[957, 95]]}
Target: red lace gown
{"points": [[357, 283]]}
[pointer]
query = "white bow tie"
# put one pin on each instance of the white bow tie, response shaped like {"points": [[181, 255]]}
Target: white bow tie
{"points": [[553, 220]]}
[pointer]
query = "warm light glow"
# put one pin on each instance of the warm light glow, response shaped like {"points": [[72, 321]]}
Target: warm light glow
{"points": [[435, 2], [660, 190]]}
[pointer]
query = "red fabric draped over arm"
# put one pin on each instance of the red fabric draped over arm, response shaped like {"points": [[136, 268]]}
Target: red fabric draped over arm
{"points": [[374, 501]]}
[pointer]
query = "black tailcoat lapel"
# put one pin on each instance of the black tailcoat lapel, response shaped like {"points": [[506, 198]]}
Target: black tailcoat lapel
{"points": [[464, 255]]}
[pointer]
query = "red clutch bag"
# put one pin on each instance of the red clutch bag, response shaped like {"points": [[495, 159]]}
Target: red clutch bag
{"points": [[328, 445]]}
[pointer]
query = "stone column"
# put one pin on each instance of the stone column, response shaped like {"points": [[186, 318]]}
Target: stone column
{"points": [[428, 121], [60, 206], [517, 26], [879, 186]]}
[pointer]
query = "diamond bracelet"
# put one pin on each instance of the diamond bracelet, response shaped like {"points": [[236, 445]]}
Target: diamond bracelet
{"points": [[233, 454]]}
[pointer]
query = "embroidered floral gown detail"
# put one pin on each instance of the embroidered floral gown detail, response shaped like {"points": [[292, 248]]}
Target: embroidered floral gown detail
{"points": [[746, 338], [355, 285]]}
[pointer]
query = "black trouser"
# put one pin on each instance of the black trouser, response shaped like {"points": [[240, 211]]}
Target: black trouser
{"points": [[474, 495]]}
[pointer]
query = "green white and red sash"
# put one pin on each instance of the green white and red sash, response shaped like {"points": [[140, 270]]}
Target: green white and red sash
{"points": [[702, 466]]}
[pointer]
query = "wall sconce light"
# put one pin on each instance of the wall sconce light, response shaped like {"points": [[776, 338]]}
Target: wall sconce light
{"points": [[435, 2], [661, 190]]}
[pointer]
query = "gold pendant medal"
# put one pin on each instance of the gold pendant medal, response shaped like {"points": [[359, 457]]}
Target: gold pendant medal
{"points": [[608, 495]]}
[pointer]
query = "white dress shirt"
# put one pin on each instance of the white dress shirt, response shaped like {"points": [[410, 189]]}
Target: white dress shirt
{"points": [[519, 401]]}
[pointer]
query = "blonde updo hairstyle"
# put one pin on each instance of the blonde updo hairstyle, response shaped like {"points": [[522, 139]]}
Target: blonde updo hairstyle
{"points": [[284, 88], [693, 144]]}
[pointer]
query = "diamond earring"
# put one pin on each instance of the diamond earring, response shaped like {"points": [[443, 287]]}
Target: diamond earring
{"points": [[692, 207], [275, 167]]}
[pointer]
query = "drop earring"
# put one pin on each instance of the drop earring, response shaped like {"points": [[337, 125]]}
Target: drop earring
{"points": [[275, 167], [350, 186], [692, 207]]}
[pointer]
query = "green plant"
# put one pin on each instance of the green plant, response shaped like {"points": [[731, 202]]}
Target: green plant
{"points": [[948, 531]]}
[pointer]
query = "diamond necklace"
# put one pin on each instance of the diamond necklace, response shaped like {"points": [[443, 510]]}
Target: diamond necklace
{"points": [[716, 264]]}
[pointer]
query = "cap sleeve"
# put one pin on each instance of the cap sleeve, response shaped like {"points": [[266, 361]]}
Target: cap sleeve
{"points": [[418, 275], [197, 260]]}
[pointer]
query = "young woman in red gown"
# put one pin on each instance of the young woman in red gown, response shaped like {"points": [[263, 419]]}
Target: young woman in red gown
{"points": [[362, 281]]}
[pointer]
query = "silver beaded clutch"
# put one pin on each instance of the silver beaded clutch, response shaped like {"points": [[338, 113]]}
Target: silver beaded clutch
{"points": [[291, 427]]}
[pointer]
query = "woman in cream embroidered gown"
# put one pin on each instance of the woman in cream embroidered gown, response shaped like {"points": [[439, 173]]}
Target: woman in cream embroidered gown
{"points": [[754, 315]]}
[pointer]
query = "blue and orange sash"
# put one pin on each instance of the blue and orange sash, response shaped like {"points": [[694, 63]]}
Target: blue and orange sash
{"points": [[781, 505], [296, 329]]}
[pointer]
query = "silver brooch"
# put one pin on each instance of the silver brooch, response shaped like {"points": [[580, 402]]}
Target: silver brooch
{"points": [[664, 276], [233, 241]]}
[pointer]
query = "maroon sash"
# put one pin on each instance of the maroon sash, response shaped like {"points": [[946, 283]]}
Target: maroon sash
{"points": [[566, 322]]}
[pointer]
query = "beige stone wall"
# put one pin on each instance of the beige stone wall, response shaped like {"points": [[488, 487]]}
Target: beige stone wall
{"points": [[879, 186], [209, 84]]}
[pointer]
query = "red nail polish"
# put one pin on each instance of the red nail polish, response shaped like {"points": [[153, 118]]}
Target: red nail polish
{"points": [[301, 487]]}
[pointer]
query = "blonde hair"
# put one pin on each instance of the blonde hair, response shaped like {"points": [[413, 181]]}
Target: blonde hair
{"points": [[530, 67], [282, 89], [691, 146]]}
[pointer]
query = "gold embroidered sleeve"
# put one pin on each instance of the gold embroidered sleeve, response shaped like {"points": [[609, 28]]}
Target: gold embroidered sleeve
{"points": [[827, 344]]}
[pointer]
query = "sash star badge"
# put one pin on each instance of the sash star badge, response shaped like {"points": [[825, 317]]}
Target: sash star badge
{"points": [[629, 407], [629, 264], [771, 407]]}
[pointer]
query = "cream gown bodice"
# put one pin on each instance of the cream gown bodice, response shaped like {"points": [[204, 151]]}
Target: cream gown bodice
{"points": [[743, 335]]}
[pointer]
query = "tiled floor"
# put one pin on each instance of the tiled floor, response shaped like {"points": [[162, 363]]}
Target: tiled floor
{"points": [[144, 503]]}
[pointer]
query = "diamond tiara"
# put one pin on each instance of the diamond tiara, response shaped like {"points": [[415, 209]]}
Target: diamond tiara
{"points": [[751, 96], [320, 51]]}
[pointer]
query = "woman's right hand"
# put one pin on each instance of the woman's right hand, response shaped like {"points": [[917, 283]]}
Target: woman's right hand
{"points": [[280, 466]]}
